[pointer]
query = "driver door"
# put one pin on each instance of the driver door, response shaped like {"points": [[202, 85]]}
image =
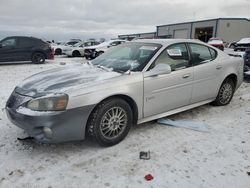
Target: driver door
{"points": [[169, 91], [8, 50]]}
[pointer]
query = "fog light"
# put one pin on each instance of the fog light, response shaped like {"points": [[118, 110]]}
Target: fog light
{"points": [[47, 132]]}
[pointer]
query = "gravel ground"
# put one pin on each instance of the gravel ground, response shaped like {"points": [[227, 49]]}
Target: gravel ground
{"points": [[179, 157]]}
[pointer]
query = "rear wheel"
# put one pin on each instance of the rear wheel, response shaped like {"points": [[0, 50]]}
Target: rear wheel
{"points": [[76, 54], [38, 57], [58, 51], [225, 93], [110, 122], [100, 53]]}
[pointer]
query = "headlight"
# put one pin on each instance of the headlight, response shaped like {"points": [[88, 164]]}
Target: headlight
{"points": [[49, 103]]}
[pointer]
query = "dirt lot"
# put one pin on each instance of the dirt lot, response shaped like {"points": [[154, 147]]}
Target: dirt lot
{"points": [[179, 157]]}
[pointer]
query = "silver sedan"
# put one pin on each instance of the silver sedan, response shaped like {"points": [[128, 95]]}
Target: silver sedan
{"points": [[130, 84]]}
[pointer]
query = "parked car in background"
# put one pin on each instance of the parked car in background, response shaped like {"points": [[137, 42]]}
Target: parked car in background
{"points": [[238, 48], [216, 42], [247, 59], [229, 49], [94, 51], [78, 49], [21, 48], [60, 47], [242, 45], [132, 83]]}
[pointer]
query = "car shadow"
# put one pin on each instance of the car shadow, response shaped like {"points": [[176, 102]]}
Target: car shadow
{"points": [[21, 63]]}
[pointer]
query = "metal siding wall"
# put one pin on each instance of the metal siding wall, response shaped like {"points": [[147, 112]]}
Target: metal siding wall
{"points": [[169, 30], [236, 30], [147, 35]]}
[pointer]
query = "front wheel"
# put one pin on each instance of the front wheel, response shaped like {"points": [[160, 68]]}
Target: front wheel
{"points": [[99, 53], [38, 57], [225, 93], [110, 122], [76, 54]]}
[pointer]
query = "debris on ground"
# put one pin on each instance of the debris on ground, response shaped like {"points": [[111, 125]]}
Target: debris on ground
{"points": [[188, 124], [149, 177], [145, 155], [185, 151], [62, 63]]}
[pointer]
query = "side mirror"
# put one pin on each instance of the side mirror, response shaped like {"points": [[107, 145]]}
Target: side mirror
{"points": [[1, 45], [160, 69]]}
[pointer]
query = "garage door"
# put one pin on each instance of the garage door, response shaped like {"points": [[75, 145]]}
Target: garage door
{"points": [[181, 34]]}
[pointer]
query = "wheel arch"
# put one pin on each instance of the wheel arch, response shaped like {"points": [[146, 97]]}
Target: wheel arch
{"points": [[233, 77], [75, 51], [56, 50], [126, 98], [38, 51]]}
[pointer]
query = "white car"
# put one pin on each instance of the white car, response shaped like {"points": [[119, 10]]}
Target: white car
{"points": [[132, 83], [238, 48], [78, 49], [94, 51], [216, 42], [61, 47]]}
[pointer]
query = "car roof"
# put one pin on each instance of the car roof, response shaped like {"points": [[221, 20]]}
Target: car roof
{"points": [[168, 41], [21, 37]]}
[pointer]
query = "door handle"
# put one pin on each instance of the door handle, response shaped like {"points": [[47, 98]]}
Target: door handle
{"points": [[186, 76], [218, 67]]}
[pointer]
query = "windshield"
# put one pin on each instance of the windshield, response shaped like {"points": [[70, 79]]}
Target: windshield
{"points": [[128, 56], [90, 43], [77, 44]]}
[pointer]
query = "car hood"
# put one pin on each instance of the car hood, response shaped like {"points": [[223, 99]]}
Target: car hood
{"points": [[63, 79]]}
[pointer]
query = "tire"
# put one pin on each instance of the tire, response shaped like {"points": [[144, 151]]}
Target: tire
{"points": [[110, 122], [58, 51], [225, 93], [76, 54], [99, 53], [38, 58]]}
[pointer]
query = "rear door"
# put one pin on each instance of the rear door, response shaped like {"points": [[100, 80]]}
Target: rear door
{"points": [[24, 48], [206, 71], [8, 50], [169, 91]]}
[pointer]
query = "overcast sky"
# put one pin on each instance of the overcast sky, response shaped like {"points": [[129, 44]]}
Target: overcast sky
{"points": [[64, 19]]}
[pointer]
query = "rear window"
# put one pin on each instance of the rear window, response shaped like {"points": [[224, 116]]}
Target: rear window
{"points": [[200, 54], [213, 53]]}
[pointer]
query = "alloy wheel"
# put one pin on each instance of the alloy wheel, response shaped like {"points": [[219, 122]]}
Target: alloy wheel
{"points": [[113, 122]]}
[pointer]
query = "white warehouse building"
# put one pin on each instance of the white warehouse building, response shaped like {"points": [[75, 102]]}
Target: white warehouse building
{"points": [[228, 29]]}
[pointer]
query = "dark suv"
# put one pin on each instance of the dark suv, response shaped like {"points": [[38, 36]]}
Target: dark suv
{"points": [[19, 48]]}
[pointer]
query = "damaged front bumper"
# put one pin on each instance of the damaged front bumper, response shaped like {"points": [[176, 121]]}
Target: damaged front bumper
{"points": [[49, 126]]}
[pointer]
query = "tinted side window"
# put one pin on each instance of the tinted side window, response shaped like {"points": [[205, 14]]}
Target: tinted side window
{"points": [[26, 42], [9, 42], [176, 56], [213, 53], [200, 54]]}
